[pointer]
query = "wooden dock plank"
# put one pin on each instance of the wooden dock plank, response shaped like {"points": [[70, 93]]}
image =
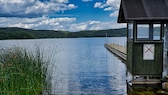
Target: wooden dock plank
{"points": [[117, 50]]}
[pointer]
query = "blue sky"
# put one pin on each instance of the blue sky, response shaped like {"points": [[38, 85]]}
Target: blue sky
{"points": [[67, 15]]}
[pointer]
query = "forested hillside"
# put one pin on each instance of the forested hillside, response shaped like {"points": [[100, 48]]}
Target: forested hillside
{"points": [[20, 33]]}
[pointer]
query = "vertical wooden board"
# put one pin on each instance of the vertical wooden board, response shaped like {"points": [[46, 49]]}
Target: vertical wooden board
{"points": [[138, 63], [159, 58], [129, 56], [147, 67]]}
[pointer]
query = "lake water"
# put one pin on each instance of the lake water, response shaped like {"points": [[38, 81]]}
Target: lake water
{"points": [[81, 66]]}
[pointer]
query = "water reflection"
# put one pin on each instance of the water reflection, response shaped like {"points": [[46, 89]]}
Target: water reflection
{"points": [[89, 69], [82, 66]]}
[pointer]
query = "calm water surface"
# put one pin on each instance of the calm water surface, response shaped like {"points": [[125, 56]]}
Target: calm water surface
{"points": [[81, 66]]}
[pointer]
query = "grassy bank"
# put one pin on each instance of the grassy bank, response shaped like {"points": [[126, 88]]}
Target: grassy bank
{"points": [[22, 72]]}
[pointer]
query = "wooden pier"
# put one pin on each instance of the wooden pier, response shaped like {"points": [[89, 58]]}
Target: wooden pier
{"points": [[118, 50]]}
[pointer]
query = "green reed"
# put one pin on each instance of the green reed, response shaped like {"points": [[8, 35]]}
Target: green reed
{"points": [[23, 72]]}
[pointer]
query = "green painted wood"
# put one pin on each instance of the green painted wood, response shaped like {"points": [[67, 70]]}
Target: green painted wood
{"points": [[137, 66], [129, 55]]}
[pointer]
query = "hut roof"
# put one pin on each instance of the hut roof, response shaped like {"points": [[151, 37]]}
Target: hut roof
{"points": [[143, 10]]}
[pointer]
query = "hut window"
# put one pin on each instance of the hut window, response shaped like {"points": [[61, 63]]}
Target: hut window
{"points": [[142, 31], [130, 30], [156, 31], [148, 32]]}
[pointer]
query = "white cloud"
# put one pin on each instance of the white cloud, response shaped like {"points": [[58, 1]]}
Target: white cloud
{"points": [[96, 25], [40, 10], [114, 14], [87, 0], [98, 5], [12, 1], [108, 8], [32, 8], [61, 1], [113, 3], [37, 23], [109, 5], [72, 6], [67, 24]]}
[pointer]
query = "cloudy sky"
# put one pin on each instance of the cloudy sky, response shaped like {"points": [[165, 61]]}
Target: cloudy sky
{"points": [[68, 15]]}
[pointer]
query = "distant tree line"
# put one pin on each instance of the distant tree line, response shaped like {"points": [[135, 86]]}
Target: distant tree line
{"points": [[20, 33]]}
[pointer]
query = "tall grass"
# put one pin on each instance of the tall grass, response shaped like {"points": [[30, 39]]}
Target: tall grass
{"points": [[22, 72]]}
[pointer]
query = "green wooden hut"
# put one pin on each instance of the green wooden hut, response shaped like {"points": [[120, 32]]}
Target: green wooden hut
{"points": [[146, 21]]}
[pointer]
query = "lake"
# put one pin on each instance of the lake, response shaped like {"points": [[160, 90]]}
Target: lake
{"points": [[80, 66]]}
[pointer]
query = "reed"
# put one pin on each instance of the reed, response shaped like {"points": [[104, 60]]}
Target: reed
{"points": [[23, 72]]}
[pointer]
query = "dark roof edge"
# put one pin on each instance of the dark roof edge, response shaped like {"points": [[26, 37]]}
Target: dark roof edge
{"points": [[127, 13], [121, 18]]}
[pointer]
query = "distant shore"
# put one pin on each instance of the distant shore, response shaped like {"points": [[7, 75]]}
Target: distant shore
{"points": [[20, 33]]}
